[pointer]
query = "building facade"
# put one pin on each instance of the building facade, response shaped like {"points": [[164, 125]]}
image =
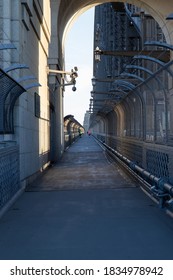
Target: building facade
{"points": [[25, 100]]}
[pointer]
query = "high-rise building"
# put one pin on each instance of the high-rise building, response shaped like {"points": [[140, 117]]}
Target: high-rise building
{"points": [[86, 120]]}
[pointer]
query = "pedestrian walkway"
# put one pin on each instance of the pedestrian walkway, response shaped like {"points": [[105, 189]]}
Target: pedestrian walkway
{"points": [[83, 166], [85, 208]]}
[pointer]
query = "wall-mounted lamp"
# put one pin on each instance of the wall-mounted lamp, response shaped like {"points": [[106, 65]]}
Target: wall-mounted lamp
{"points": [[97, 54], [93, 81], [73, 75]]}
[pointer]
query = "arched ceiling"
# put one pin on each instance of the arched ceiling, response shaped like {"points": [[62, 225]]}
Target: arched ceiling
{"points": [[70, 10]]}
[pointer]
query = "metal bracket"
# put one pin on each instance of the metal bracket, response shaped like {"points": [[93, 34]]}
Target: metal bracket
{"points": [[73, 75]]}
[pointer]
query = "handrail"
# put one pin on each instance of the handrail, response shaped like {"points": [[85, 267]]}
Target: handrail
{"points": [[162, 189]]}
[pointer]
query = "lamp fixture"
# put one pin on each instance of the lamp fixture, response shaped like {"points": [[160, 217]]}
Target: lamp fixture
{"points": [[97, 54], [93, 81], [73, 75]]}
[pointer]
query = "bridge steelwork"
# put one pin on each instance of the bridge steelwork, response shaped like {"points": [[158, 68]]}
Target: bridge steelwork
{"points": [[133, 116]]}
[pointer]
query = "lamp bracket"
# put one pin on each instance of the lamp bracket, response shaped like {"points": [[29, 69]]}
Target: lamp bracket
{"points": [[73, 75]]}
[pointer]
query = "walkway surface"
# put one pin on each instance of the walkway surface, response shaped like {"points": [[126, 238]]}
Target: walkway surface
{"points": [[84, 208]]}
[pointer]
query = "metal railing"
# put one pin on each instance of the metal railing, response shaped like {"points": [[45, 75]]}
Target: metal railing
{"points": [[157, 186]]}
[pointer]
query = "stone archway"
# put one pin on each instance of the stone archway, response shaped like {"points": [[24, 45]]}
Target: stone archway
{"points": [[70, 10], [64, 13]]}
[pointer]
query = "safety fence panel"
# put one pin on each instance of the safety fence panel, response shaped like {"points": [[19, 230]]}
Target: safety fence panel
{"points": [[159, 161], [9, 173], [70, 139], [156, 159], [131, 149]]}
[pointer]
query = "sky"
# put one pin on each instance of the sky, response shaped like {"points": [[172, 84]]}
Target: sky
{"points": [[79, 52]]}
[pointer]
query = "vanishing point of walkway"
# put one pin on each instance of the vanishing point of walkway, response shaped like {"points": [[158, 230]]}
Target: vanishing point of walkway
{"points": [[84, 208]]}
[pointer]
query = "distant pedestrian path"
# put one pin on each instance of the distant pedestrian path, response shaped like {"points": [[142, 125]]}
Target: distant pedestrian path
{"points": [[83, 166]]}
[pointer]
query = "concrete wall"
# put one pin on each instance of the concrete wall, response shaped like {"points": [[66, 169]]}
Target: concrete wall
{"points": [[71, 9], [26, 24]]}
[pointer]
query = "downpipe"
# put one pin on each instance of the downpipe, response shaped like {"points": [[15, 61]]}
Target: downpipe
{"points": [[161, 189]]}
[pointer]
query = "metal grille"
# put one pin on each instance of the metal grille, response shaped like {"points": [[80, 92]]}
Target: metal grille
{"points": [[9, 173], [10, 90], [157, 163], [101, 137], [112, 142], [132, 151], [158, 160]]}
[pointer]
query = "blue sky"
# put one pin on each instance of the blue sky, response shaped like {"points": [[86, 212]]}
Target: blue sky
{"points": [[79, 52]]}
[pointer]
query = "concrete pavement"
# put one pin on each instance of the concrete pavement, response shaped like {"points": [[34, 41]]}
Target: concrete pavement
{"points": [[85, 208]]}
